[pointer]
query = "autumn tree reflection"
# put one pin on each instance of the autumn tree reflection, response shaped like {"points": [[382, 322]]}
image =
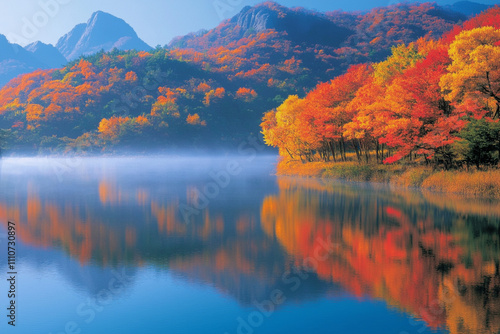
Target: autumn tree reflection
{"points": [[433, 259], [440, 266]]}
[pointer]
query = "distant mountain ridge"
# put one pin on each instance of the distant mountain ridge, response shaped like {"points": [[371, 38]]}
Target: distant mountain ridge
{"points": [[67, 43], [339, 31], [301, 26], [15, 60], [103, 31], [468, 8], [324, 44], [47, 54]]}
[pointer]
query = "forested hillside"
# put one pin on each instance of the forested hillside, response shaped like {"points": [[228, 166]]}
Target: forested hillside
{"points": [[206, 90], [435, 101]]}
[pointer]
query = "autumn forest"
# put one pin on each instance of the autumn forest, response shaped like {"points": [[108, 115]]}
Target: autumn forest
{"points": [[407, 84], [211, 89], [437, 101]]}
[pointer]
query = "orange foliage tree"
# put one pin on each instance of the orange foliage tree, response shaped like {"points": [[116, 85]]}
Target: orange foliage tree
{"points": [[416, 103]]}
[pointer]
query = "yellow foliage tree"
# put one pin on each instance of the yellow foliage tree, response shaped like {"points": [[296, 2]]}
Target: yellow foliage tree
{"points": [[281, 127], [402, 57], [474, 73], [110, 128]]}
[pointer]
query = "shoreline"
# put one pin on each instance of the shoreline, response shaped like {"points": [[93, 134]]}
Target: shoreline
{"points": [[482, 184]]}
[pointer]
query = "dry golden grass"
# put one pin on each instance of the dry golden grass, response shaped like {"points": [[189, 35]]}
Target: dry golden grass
{"points": [[477, 183], [353, 171], [412, 177], [349, 171], [297, 168]]}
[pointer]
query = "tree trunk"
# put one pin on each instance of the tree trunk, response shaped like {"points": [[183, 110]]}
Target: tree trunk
{"points": [[332, 148], [357, 149], [341, 150], [498, 135], [361, 149], [342, 143]]}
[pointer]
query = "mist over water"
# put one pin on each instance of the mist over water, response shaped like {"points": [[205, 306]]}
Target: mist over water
{"points": [[200, 244]]}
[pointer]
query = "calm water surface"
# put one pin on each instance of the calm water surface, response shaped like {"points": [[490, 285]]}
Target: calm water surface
{"points": [[198, 245]]}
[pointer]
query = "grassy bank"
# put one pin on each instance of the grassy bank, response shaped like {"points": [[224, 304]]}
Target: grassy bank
{"points": [[474, 183]]}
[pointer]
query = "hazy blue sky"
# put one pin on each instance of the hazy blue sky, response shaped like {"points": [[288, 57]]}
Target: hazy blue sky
{"points": [[156, 21]]}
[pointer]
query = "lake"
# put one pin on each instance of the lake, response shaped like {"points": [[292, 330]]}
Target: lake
{"points": [[221, 245]]}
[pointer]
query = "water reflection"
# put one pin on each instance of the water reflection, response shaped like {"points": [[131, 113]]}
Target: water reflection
{"points": [[432, 257], [437, 264]]}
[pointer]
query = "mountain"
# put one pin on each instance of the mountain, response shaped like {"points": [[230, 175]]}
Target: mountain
{"points": [[14, 60], [301, 26], [47, 54], [102, 32], [205, 90], [68, 42], [468, 8], [323, 44]]}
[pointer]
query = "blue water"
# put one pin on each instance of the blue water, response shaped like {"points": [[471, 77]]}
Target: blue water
{"points": [[162, 245]]}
